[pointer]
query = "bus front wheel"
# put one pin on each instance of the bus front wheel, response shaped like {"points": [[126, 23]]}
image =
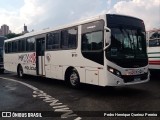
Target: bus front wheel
{"points": [[74, 79], [20, 71], [1, 71]]}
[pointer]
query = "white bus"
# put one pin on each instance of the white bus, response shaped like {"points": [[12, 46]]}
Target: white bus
{"points": [[154, 49], [107, 50]]}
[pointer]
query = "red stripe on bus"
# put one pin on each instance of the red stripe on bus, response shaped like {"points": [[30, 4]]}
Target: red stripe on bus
{"points": [[155, 62]]}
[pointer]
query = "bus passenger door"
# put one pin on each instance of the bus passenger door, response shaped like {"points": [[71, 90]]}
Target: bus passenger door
{"points": [[40, 48]]}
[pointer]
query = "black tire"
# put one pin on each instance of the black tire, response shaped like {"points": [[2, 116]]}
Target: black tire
{"points": [[1, 71], [73, 79], [20, 72]]}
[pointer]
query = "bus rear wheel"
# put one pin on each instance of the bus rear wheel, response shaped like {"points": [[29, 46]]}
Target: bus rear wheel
{"points": [[20, 72], [74, 79]]}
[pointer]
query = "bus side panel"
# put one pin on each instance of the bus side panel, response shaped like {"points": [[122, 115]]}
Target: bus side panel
{"points": [[28, 62], [54, 65], [154, 57], [48, 70], [90, 72], [57, 71], [11, 62], [57, 62]]}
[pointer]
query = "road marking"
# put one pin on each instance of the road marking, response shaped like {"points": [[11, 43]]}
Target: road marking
{"points": [[53, 102]]}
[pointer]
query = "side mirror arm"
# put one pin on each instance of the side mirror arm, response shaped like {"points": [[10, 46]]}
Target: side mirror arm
{"points": [[107, 45], [107, 29]]}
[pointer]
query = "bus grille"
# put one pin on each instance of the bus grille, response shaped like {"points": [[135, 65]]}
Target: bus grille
{"points": [[135, 78]]}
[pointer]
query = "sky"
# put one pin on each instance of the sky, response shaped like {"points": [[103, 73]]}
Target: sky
{"points": [[42, 14]]}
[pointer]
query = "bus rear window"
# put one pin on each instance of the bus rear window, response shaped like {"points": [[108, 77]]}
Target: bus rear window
{"points": [[154, 43]]}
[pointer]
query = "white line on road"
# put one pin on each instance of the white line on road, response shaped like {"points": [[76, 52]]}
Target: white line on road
{"points": [[53, 102]]}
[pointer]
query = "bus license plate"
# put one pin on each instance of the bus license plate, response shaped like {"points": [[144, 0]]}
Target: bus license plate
{"points": [[137, 79]]}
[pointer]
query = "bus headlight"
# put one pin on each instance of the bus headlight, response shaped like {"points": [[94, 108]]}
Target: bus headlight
{"points": [[114, 71]]}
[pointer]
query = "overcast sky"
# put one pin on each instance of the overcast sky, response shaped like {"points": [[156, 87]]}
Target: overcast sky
{"points": [[41, 14]]}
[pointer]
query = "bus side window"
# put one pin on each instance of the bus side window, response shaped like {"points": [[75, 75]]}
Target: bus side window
{"points": [[69, 38], [158, 43], [92, 41], [6, 47], [154, 43], [23, 48], [49, 41], [30, 44], [72, 41], [14, 46], [64, 39], [92, 46], [21, 45], [53, 41], [9, 47], [56, 41]]}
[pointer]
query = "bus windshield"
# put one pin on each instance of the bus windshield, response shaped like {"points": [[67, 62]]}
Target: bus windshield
{"points": [[127, 43], [128, 47]]}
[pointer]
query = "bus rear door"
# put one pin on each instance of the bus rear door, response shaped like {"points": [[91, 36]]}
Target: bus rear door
{"points": [[40, 48]]}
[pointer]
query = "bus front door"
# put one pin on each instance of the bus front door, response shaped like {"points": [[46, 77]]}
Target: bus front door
{"points": [[40, 48]]}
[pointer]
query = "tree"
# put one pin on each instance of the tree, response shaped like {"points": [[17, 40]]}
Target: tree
{"points": [[12, 35]]}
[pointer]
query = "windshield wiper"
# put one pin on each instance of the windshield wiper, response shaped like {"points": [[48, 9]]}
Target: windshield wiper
{"points": [[131, 43]]}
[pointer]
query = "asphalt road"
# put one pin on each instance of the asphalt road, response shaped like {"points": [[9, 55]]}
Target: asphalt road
{"points": [[36, 94]]}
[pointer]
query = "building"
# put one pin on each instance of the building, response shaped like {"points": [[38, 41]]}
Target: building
{"points": [[4, 30], [25, 29], [0, 32]]}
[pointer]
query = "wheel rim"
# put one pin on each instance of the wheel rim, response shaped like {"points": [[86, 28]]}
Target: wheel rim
{"points": [[74, 79]]}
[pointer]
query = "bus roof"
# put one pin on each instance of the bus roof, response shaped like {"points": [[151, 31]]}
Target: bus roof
{"points": [[154, 30], [98, 17], [55, 29]]}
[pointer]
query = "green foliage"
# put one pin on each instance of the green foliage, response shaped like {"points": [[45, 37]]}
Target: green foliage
{"points": [[12, 35]]}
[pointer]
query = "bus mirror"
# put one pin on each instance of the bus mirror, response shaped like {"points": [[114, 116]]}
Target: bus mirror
{"points": [[107, 29]]}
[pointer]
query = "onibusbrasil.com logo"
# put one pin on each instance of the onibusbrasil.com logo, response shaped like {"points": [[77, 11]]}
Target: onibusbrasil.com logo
{"points": [[20, 115]]}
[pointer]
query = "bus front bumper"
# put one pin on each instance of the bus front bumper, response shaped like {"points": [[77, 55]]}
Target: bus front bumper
{"points": [[128, 80]]}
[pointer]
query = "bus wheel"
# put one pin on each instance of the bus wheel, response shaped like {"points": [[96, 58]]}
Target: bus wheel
{"points": [[74, 80], [1, 71], [20, 71]]}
